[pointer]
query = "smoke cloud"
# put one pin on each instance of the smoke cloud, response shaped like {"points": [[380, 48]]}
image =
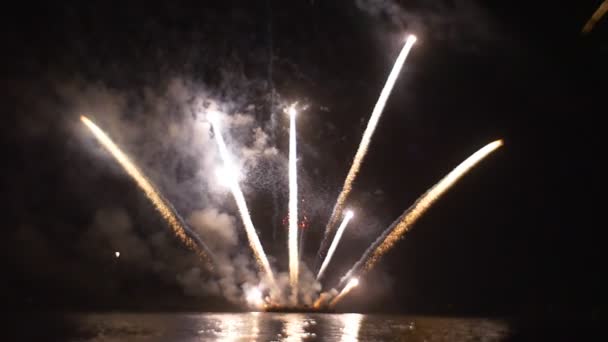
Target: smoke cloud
{"points": [[152, 101], [166, 133], [459, 24]]}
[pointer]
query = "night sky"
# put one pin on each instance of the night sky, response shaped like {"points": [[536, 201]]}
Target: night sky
{"points": [[519, 235]]}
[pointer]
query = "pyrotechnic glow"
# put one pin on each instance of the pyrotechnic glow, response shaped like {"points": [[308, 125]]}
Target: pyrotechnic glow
{"points": [[162, 206], [367, 136], [235, 189], [318, 302], [226, 175], [334, 243], [254, 298], [396, 230], [352, 283], [597, 15], [425, 202], [293, 206]]}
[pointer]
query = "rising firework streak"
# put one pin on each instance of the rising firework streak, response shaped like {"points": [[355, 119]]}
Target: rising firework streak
{"points": [[334, 243], [396, 230], [164, 207], [597, 15], [235, 189], [293, 207], [367, 136], [352, 283]]}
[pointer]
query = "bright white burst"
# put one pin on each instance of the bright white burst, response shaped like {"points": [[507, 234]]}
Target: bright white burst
{"points": [[334, 244], [226, 175], [253, 296], [229, 176], [292, 239]]}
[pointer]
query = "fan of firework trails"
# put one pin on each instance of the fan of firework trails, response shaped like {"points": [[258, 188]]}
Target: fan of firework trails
{"points": [[268, 294]]}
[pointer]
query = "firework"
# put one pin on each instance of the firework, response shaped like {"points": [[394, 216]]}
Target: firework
{"points": [[166, 210], [254, 297], [597, 15], [235, 189], [396, 230], [293, 206], [367, 136], [228, 175], [352, 283], [319, 301], [334, 243]]}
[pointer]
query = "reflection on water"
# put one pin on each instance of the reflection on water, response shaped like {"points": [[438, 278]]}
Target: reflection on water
{"points": [[294, 327], [288, 327], [350, 330], [255, 330], [230, 327], [272, 327]]}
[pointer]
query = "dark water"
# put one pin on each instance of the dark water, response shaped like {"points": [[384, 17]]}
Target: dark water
{"points": [[265, 327]]}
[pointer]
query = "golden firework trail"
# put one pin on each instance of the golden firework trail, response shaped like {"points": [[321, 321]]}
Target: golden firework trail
{"points": [[317, 303], [396, 230], [597, 15], [235, 189], [365, 140], [352, 283], [166, 210], [334, 243], [293, 206]]}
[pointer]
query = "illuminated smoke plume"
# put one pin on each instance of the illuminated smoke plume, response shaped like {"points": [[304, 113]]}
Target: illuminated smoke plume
{"points": [[179, 228], [235, 189]]}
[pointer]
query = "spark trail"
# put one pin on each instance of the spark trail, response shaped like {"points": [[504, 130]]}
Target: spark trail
{"points": [[164, 207], [597, 15], [396, 230], [293, 207], [353, 282], [367, 136], [235, 189], [334, 243]]}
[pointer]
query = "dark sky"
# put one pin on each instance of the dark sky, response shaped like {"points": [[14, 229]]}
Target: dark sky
{"points": [[521, 234]]}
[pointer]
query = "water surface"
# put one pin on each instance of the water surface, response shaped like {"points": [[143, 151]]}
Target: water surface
{"points": [[270, 327]]}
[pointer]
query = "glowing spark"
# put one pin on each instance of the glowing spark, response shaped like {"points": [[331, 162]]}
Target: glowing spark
{"points": [[597, 15], [367, 136], [226, 175], [293, 206], [235, 189], [428, 199], [352, 283], [318, 302], [117, 254], [396, 230], [253, 296], [334, 243], [179, 228]]}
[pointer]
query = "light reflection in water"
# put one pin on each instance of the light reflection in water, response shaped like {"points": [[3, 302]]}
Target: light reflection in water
{"points": [[196, 327], [256, 326], [350, 328], [293, 327], [231, 327]]}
